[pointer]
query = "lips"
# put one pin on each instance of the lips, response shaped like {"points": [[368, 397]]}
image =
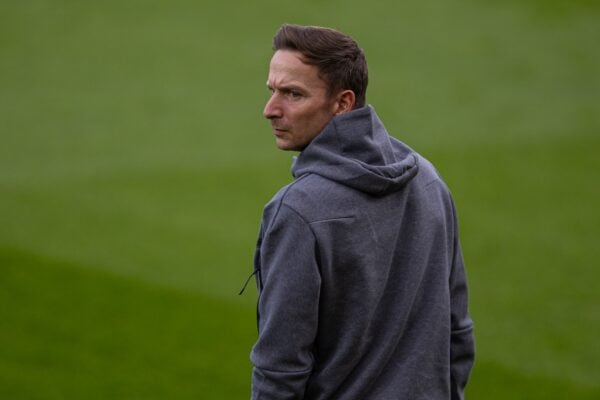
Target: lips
{"points": [[279, 129]]}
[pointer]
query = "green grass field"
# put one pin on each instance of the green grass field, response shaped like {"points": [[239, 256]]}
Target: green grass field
{"points": [[134, 164]]}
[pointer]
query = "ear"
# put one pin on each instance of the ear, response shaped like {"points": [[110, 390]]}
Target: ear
{"points": [[345, 101]]}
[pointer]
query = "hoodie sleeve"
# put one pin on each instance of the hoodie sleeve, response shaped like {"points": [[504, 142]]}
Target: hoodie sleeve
{"points": [[288, 306], [462, 345]]}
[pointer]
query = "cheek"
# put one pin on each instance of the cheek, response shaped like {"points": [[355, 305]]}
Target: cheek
{"points": [[318, 120], [307, 121]]}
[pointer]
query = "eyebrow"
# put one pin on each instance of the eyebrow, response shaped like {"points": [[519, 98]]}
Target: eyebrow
{"points": [[287, 87]]}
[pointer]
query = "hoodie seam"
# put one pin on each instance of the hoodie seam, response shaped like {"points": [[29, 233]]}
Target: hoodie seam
{"points": [[308, 224], [281, 200], [337, 138], [284, 371], [300, 216]]}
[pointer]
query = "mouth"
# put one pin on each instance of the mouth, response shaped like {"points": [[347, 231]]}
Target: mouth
{"points": [[279, 130]]}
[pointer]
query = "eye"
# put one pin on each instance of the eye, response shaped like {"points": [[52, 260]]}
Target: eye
{"points": [[294, 94]]}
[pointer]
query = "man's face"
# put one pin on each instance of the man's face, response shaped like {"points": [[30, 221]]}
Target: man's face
{"points": [[299, 107]]}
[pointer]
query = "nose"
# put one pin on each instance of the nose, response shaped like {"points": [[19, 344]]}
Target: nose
{"points": [[272, 108]]}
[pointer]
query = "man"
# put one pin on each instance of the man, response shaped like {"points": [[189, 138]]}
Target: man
{"points": [[362, 289]]}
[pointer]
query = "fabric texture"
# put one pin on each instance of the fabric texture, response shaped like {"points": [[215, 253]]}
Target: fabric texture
{"points": [[362, 287]]}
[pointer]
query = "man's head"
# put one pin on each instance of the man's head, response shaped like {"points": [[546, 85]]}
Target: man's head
{"points": [[315, 74]]}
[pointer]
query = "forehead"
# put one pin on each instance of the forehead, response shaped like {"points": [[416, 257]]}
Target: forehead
{"points": [[287, 68]]}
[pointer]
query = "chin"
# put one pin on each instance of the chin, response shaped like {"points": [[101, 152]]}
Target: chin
{"points": [[286, 146]]}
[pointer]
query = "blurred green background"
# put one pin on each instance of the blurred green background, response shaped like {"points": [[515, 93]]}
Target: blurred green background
{"points": [[134, 164]]}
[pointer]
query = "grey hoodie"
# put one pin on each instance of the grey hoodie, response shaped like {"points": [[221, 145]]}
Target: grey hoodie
{"points": [[362, 288]]}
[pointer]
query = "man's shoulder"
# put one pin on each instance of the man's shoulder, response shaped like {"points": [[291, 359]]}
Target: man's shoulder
{"points": [[311, 196], [428, 174]]}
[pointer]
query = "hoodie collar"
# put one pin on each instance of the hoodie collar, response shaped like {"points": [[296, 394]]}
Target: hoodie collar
{"points": [[354, 149]]}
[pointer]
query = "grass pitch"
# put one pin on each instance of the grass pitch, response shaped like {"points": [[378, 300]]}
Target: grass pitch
{"points": [[134, 164]]}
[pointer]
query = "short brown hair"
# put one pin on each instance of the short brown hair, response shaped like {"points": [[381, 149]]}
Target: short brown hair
{"points": [[341, 63]]}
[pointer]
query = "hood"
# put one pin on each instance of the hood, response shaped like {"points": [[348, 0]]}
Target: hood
{"points": [[354, 149]]}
